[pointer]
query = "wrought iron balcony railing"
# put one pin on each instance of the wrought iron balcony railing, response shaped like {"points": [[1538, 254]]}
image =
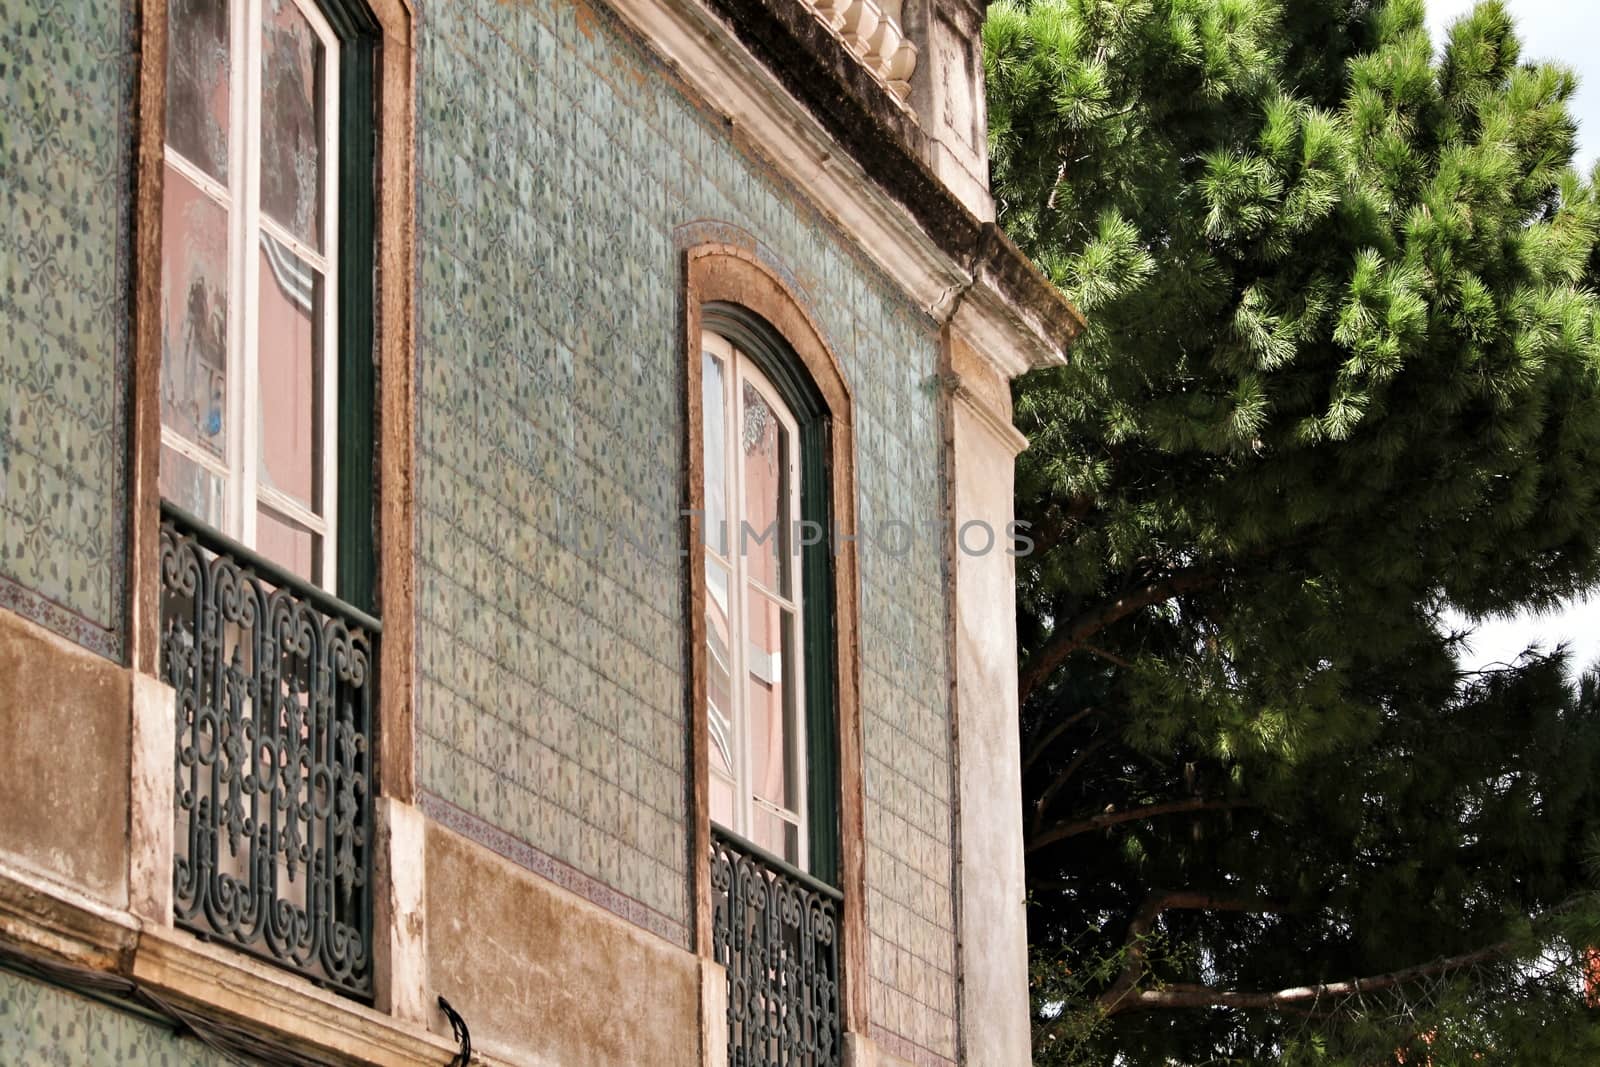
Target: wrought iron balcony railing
{"points": [[776, 931], [275, 682]]}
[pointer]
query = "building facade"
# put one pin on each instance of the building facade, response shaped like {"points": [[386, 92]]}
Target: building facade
{"points": [[504, 535]]}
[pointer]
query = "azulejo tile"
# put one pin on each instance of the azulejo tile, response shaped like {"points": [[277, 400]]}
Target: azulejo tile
{"points": [[64, 153], [582, 224]]}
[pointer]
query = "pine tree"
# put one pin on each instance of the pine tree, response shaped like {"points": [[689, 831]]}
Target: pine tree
{"points": [[1342, 376]]}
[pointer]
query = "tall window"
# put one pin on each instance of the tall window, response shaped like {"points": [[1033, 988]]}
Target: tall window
{"points": [[754, 614], [250, 369], [266, 399], [772, 744]]}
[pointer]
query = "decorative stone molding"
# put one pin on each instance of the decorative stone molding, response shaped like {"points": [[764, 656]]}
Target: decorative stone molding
{"points": [[400, 925], [876, 36], [864, 164], [992, 938]]}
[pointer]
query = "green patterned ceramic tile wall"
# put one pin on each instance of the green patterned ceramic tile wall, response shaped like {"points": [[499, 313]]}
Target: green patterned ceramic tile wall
{"points": [[65, 144], [558, 166], [43, 1026]]}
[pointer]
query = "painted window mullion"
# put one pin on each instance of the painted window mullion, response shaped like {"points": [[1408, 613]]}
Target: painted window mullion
{"points": [[250, 210], [738, 637], [233, 401], [192, 452], [303, 252], [222, 195], [276, 500]]}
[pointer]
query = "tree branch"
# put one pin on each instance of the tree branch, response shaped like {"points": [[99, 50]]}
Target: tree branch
{"points": [[1058, 523], [1126, 986], [1062, 831], [1061, 779], [1202, 997], [1075, 633], [1037, 749], [1109, 657]]}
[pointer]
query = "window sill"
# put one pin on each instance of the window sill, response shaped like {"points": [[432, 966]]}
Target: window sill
{"points": [[212, 981]]}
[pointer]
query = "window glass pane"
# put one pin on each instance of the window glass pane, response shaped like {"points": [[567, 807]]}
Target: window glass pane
{"points": [[776, 834], [774, 734], [713, 420], [197, 83], [192, 487], [288, 544], [719, 667], [764, 532], [722, 801], [291, 120], [194, 314], [290, 388]]}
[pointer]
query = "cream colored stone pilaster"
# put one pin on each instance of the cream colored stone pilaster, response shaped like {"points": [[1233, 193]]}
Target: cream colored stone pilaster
{"points": [[400, 925], [152, 799], [993, 949], [713, 1014]]}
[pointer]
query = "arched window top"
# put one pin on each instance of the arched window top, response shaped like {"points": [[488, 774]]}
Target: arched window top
{"points": [[770, 352], [736, 290]]}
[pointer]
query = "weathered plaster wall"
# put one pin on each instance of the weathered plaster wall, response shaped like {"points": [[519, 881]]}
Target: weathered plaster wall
{"points": [[557, 164], [65, 149], [543, 977], [64, 737], [40, 1024]]}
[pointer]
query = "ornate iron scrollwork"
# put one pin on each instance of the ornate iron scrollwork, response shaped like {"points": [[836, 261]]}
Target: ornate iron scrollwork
{"points": [[275, 683], [776, 930]]}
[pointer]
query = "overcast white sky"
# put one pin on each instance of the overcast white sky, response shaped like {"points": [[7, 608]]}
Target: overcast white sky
{"points": [[1566, 31]]}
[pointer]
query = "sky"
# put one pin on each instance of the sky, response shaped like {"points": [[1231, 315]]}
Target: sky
{"points": [[1568, 32]]}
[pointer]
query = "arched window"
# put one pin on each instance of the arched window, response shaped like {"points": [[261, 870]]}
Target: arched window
{"points": [[770, 715], [775, 738]]}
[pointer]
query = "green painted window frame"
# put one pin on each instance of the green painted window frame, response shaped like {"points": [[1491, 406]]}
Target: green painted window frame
{"points": [[357, 536], [773, 356]]}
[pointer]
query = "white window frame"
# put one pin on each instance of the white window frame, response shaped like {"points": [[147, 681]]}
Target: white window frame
{"points": [[726, 549], [240, 199]]}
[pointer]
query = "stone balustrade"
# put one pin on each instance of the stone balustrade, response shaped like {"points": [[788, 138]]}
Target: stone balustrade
{"points": [[875, 36]]}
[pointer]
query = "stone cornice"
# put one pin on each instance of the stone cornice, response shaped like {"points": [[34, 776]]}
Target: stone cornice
{"points": [[881, 188], [1006, 433]]}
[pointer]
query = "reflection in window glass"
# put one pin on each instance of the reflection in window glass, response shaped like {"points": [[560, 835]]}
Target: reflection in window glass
{"points": [[774, 734], [248, 382], [290, 362], [288, 544], [713, 421], [719, 669], [291, 121], [198, 76], [192, 487], [194, 320], [754, 704], [764, 531]]}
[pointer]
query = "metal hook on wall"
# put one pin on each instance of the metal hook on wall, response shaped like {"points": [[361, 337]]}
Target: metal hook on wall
{"points": [[458, 1030]]}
